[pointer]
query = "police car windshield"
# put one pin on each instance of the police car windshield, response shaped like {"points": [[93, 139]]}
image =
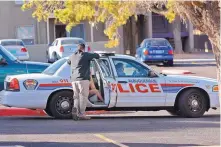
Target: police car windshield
{"points": [[54, 67]]}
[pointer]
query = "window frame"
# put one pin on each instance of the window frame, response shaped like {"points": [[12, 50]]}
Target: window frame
{"points": [[33, 38], [56, 43], [19, 2], [109, 68], [125, 60]]}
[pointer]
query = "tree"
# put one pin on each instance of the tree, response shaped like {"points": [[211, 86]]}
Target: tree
{"points": [[204, 15], [72, 12]]}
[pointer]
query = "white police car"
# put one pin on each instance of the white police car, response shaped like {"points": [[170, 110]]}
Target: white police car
{"points": [[132, 86]]}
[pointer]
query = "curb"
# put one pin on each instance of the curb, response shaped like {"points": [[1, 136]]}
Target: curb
{"points": [[21, 112], [28, 112], [193, 60]]}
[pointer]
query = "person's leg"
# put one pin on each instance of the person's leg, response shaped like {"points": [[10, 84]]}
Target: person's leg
{"points": [[75, 108], [95, 91], [83, 94]]}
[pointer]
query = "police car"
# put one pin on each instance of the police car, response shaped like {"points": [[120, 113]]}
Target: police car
{"points": [[125, 83]]}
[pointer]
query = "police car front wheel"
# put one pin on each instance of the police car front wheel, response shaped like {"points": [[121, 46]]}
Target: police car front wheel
{"points": [[192, 103]]}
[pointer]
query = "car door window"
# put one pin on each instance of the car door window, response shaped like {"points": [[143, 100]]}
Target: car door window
{"points": [[130, 68], [143, 43], [105, 67], [56, 43]]}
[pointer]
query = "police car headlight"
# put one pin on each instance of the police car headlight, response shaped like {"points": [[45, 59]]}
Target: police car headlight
{"points": [[30, 84]]}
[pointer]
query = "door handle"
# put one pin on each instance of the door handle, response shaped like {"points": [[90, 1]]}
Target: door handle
{"points": [[122, 81]]}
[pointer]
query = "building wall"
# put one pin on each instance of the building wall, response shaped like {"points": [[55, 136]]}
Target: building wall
{"points": [[12, 16], [200, 41]]}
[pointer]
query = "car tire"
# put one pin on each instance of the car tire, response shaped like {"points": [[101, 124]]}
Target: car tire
{"points": [[168, 63], [173, 112], [192, 103], [60, 104], [55, 57], [48, 112], [48, 60]]}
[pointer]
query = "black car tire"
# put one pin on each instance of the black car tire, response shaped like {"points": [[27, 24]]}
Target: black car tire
{"points": [[56, 106], [48, 60], [168, 63], [192, 99], [48, 112], [173, 112]]}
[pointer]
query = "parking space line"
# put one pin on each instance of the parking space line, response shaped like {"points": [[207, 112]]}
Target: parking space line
{"points": [[109, 140]]}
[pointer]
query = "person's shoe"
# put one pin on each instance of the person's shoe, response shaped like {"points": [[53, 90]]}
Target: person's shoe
{"points": [[84, 117], [74, 114]]}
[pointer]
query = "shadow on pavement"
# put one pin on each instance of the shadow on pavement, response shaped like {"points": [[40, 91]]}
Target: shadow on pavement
{"points": [[101, 124], [90, 144]]}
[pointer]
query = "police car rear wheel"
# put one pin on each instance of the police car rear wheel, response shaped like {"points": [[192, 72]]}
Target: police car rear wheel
{"points": [[192, 103], [61, 104]]}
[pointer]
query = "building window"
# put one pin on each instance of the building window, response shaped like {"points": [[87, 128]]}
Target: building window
{"points": [[26, 34], [19, 2]]}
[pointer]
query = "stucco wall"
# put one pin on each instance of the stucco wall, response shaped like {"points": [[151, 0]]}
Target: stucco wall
{"points": [[38, 52]]}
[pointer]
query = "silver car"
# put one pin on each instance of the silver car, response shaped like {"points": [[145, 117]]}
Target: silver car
{"points": [[16, 47]]}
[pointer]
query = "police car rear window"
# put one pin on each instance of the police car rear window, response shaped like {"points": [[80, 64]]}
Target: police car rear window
{"points": [[51, 70]]}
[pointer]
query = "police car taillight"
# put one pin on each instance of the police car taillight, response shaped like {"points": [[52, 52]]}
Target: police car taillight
{"points": [[13, 85]]}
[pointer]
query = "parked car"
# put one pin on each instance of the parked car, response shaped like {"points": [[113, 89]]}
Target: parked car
{"points": [[16, 47], [63, 47], [10, 65], [125, 84], [156, 50]]}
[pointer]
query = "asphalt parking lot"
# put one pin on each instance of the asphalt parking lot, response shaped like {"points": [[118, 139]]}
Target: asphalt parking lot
{"points": [[127, 129]]}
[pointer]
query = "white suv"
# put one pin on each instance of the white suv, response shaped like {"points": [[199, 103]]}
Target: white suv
{"points": [[63, 47]]}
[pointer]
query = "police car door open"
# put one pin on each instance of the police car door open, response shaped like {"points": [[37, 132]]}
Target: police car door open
{"points": [[107, 79]]}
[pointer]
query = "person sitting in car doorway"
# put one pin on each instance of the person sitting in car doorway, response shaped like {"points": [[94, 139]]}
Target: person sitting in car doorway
{"points": [[93, 90]]}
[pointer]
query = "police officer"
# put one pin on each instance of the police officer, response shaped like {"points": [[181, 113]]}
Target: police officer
{"points": [[80, 77]]}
